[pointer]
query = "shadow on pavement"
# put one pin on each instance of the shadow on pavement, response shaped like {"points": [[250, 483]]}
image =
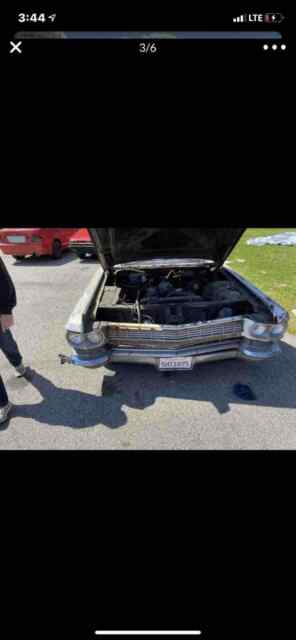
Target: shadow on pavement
{"points": [[65, 407], [88, 258], [139, 387], [45, 261]]}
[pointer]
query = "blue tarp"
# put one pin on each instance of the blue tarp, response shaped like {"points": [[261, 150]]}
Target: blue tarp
{"points": [[288, 238]]}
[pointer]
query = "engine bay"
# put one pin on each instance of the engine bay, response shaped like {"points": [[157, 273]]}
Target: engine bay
{"points": [[172, 296]]}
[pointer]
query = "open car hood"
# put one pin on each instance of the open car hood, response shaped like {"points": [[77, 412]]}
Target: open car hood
{"points": [[117, 245]]}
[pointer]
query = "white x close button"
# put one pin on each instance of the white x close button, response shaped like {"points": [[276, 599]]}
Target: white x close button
{"points": [[15, 46]]}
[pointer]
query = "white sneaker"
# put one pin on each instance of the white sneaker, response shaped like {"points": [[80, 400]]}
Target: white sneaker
{"points": [[4, 412]]}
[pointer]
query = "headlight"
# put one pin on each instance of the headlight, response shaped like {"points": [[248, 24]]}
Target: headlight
{"points": [[278, 330], [92, 339], [75, 338], [259, 330], [96, 338], [268, 331]]}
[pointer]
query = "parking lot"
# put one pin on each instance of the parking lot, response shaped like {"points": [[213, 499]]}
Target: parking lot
{"points": [[125, 406]]}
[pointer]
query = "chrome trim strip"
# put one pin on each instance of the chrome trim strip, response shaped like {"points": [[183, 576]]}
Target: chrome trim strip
{"points": [[132, 335], [76, 322], [247, 353], [152, 360], [174, 353], [205, 353], [166, 263], [94, 363]]}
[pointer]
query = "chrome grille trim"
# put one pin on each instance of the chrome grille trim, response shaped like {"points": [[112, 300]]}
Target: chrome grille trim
{"points": [[147, 336]]}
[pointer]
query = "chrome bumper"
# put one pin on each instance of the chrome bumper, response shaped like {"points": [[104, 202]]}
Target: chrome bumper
{"points": [[245, 349]]}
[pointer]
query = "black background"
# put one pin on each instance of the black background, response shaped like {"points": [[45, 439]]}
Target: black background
{"points": [[198, 130], [146, 540]]}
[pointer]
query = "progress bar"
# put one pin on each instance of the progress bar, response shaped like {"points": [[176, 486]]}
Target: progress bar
{"points": [[148, 633], [150, 35]]}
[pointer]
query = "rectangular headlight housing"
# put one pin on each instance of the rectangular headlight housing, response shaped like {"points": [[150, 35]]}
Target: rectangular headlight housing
{"points": [[90, 340], [267, 331]]}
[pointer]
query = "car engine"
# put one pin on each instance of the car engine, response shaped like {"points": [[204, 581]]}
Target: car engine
{"points": [[175, 296]]}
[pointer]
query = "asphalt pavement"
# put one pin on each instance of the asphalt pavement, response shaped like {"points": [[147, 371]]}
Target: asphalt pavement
{"points": [[131, 406]]}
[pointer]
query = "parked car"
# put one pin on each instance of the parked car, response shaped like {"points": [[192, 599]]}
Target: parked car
{"points": [[82, 244], [34, 241], [164, 297]]}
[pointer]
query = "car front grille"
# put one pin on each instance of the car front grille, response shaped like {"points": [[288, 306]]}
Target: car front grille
{"points": [[147, 336]]}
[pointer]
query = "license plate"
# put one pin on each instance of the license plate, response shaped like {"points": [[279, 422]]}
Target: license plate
{"points": [[16, 239], [175, 363]]}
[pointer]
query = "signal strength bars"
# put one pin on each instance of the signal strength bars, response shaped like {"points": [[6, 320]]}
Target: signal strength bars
{"points": [[239, 18]]}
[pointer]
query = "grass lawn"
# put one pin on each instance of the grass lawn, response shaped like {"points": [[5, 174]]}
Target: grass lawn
{"points": [[271, 268]]}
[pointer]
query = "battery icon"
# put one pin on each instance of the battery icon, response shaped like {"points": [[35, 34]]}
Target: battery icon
{"points": [[273, 18]]}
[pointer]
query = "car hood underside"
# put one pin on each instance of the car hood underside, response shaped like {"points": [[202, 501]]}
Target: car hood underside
{"points": [[116, 245]]}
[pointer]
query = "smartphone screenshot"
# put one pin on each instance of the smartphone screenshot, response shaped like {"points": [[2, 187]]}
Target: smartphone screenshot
{"points": [[148, 368]]}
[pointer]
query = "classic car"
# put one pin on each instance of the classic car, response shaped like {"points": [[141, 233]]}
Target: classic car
{"points": [[22, 242], [82, 244], [164, 297]]}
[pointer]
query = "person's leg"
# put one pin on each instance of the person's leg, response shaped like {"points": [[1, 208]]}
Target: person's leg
{"points": [[3, 394], [5, 405], [10, 349]]}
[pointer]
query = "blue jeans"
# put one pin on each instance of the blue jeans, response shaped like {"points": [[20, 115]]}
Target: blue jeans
{"points": [[11, 351]]}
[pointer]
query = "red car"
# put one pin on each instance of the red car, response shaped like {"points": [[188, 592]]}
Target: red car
{"points": [[82, 244], [35, 241]]}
